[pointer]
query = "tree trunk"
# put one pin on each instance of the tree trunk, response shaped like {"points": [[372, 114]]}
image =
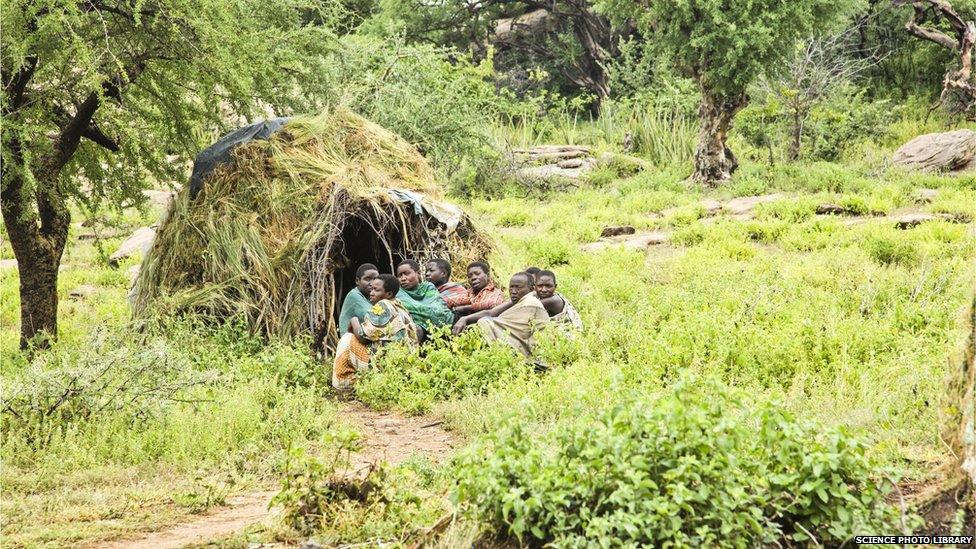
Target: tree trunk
{"points": [[38, 245], [714, 162], [796, 136]]}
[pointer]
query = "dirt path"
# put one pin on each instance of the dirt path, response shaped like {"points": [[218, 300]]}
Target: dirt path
{"points": [[389, 437]]}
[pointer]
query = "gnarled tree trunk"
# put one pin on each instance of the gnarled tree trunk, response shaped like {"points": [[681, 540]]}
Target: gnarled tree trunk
{"points": [[38, 244], [714, 162]]}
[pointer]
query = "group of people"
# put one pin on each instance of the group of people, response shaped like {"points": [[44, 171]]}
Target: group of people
{"points": [[386, 308]]}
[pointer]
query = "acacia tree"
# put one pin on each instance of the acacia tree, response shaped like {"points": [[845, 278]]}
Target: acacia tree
{"points": [[938, 22], [98, 95], [724, 45]]}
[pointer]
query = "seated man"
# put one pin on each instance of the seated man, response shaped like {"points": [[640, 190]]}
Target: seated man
{"points": [[439, 274], [514, 322], [484, 294], [356, 302], [422, 299], [559, 308], [385, 322]]}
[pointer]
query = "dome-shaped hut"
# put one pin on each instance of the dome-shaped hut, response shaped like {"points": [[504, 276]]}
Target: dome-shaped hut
{"points": [[279, 214]]}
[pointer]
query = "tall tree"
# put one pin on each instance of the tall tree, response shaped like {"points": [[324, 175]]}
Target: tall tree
{"points": [[97, 94], [724, 45], [567, 38], [939, 23]]}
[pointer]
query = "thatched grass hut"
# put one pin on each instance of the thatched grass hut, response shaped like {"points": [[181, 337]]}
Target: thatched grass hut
{"points": [[274, 233]]}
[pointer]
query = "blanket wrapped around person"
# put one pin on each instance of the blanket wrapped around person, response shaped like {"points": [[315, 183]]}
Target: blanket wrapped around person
{"points": [[426, 306], [386, 322]]}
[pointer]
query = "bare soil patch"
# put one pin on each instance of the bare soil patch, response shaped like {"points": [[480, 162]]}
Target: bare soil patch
{"points": [[389, 437]]}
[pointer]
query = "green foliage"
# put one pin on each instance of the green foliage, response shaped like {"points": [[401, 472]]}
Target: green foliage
{"points": [[153, 91], [696, 467], [889, 250], [312, 490], [194, 395], [322, 498], [834, 126], [725, 45], [435, 98], [446, 368], [847, 119]]}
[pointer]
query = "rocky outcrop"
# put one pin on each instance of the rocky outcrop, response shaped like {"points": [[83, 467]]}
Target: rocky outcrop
{"points": [[548, 161], [939, 152], [139, 242]]}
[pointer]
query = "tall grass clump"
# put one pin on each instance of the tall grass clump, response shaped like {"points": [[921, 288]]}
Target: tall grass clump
{"points": [[696, 467]]}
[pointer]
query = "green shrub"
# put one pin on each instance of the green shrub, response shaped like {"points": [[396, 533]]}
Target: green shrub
{"points": [[793, 210], [602, 176], [767, 231], [413, 379], [514, 218], [696, 468], [891, 250], [855, 204], [319, 497], [550, 251]]}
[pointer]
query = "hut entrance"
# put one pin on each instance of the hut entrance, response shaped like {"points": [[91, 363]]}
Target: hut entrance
{"points": [[361, 244]]}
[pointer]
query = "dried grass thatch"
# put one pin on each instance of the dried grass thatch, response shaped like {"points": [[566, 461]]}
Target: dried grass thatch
{"points": [[276, 235]]}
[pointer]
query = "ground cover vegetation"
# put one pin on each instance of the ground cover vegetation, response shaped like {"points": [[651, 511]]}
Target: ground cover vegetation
{"points": [[776, 377]]}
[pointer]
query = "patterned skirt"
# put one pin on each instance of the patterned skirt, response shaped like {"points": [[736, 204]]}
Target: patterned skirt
{"points": [[351, 356]]}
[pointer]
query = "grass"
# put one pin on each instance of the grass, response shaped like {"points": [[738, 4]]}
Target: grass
{"points": [[846, 325]]}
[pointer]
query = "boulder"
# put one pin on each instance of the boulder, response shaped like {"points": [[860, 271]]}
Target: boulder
{"points": [[831, 209], [939, 152], [908, 221], [159, 199], [745, 205], [924, 196], [617, 230], [635, 242], [550, 171], [140, 242], [711, 206]]}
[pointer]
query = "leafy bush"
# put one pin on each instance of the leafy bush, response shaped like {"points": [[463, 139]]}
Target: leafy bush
{"points": [[69, 386], [320, 496], [550, 251], [890, 250], [696, 468], [445, 368], [514, 218]]}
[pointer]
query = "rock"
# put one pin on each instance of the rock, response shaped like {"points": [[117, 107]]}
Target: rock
{"points": [[957, 217], [617, 230], [936, 152], [8, 264], [908, 221], [636, 242], [746, 204], [831, 209], [159, 199], [645, 240], [140, 241], [924, 196], [553, 170], [134, 274], [311, 544], [571, 163], [83, 291], [711, 206]]}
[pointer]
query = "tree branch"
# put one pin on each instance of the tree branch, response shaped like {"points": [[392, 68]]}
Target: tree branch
{"points": [[95, 135]]}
